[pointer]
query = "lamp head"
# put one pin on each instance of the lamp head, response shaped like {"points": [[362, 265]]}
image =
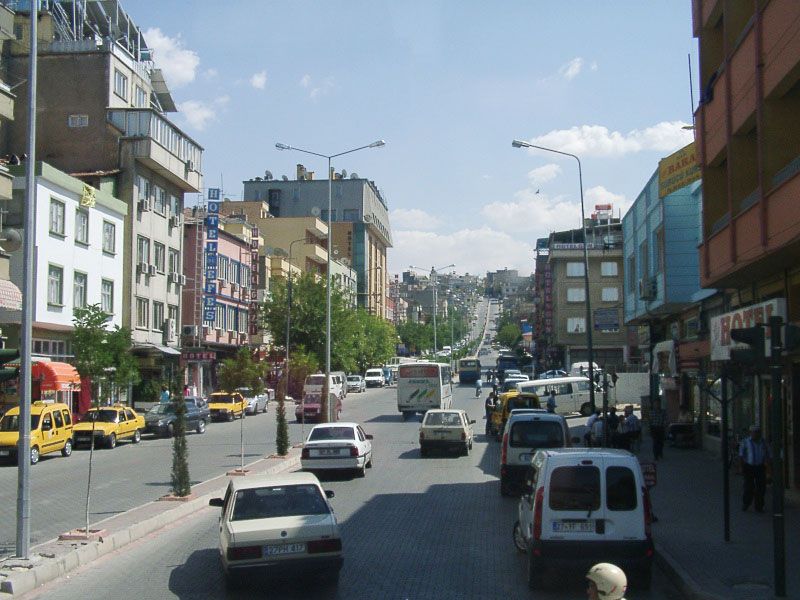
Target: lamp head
{"points": [[377, 144], [280, 146], [519, 144]]}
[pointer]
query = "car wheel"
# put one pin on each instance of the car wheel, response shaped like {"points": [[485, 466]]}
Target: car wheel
{"points": [[423, 451], [34, 455], [67, 449], [465, 450], [535, 579], [231, 417], [201, 426], [137, 437], [112, 442], [586, 409], [362, 472], [170, 430], [519, 539]]}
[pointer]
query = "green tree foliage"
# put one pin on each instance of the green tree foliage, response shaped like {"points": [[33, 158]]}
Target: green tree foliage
{"points": [[242, 371], [282, 431], [301, 364], [416, 336], [181, 483], [509, 335], [376, 341]]}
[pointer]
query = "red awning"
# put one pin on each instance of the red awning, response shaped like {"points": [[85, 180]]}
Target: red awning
{"points": [[56, 376]]}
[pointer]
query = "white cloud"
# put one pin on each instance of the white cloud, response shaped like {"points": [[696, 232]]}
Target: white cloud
{"points": [[199, 113], [305, 80], [596, 140], [488, 250], [413, 218], [571, 69], [600, 195], [544, 174], [210, 74], [593, 66], [316, 89], [259, 80], [179, 64], [532, 213]]}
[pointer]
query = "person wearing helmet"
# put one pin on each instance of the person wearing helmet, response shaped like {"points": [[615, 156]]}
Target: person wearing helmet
{"points": [[606, 582]]}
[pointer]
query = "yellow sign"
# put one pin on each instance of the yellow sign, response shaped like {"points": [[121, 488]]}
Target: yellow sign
{"points": [[88, 196], [678, 170]]}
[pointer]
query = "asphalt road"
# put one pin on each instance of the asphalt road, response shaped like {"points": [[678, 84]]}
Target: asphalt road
{"points": [[412, 529]]}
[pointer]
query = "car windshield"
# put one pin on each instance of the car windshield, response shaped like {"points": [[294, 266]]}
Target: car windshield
{"points": [[536, 434], [438, 419], [315, 379], [224, 399], [102, 415], [246, 392], [162, 409], [374, 373], [331, 433], [11, 422], [354, 379], [278, 501]]}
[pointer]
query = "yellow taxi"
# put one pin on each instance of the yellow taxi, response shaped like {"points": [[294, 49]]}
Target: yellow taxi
{"points": [[109, 425], [508, 401], [51, 431], [227, 405]]}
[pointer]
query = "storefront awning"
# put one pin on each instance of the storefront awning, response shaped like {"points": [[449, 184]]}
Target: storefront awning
{"points": [[157, 348], [55, 376]]}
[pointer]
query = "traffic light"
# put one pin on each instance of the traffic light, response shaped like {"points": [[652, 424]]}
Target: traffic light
{"points": [[754, 337], [7, 355]]}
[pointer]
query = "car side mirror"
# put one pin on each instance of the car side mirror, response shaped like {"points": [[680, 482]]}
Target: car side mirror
{"points": [[329, 494], [369, 436], [218, 502], [472, 422]]}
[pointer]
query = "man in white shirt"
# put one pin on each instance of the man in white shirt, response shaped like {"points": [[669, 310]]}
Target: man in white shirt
{"points": [[587, 437], [754, 455]]}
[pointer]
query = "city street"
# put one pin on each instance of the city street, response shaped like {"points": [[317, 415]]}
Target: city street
{"points": [[413, 528]]}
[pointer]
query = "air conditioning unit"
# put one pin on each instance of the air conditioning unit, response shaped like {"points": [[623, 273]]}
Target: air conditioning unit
{"points": [[151, 270], [189, 165], [143, 267], [174, 277], [189, 330], [144, 205], [175, 221], [234, 287], [181, 279], [206, 327], [168, 330], [647, 288]]}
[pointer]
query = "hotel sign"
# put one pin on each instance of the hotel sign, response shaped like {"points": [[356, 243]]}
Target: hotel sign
{"points": [[210, 262], [678, 170], [744, 317]]}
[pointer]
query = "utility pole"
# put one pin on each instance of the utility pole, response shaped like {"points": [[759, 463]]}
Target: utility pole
{"points": [[778, 529]]}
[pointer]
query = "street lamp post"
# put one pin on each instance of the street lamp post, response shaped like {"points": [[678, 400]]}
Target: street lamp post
{"points": [[288, 329], [325, 385], [434, 273], [590, 348]]}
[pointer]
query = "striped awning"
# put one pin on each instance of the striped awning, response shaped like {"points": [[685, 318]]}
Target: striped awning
{"points": [[10, 296]]}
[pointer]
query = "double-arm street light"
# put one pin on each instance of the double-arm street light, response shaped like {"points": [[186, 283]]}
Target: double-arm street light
{"points": [[521, 144], [325, 388], [434, 273]]}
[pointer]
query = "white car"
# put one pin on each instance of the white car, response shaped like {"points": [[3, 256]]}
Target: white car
{"points": [[337, 446], [278, 524], [374, 378], [356, 383], [446, 430], [256, 403]]}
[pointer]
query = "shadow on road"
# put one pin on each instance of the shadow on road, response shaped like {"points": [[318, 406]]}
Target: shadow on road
{"points": [[398, 418]]}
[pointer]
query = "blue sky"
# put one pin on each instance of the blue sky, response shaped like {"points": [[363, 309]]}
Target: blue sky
{"points": [[448, 85]]}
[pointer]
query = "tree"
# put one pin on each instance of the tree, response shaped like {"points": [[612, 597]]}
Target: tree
{"points": [[509, 335], [282, 430], [375, 341], [181, 483], [242, 371]]}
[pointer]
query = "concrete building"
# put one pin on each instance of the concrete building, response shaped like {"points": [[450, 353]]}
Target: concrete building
{"points": [[748, 138], [360, 222], [505, 283], [547, 355], [103, 105]]}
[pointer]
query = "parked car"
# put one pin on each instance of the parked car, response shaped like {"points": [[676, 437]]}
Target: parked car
{"points": [[310, 407], [227, 405], [201, 405], [581, 506], [51, 431], [256, 403], [552, 374], [160, 420], [108, 424], [449, 429], [356, 383], [374, 378], [337, 446], [278, 524]]}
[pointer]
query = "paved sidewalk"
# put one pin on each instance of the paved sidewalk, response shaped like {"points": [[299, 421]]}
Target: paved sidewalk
{"points": [[689, 533], [55, 558]]}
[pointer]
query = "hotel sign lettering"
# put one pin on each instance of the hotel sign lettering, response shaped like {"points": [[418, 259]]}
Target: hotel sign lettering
{"points": [[211, 259]]}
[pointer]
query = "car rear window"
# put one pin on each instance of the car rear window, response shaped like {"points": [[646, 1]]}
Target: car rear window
{"points": [[278, 501], [331, 433], [224, 398], [315, 380], [536, 434], [443, 420], [575, 488], [620, 489]]}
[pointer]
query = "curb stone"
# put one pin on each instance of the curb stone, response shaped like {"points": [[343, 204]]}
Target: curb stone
{"points": [[15, 583], [685, 583]]}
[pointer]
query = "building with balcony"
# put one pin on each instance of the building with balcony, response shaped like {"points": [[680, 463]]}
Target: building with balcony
{"points": [[360, 222], [103, 105], [748, 138], [547, 356]]}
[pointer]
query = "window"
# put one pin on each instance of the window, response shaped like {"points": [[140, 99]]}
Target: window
{"points": [[608, 269], [575, 488], [631, 273], [574, 269], [576, 295], [140, 101], [75, 121], [610, 294], [142, 249], [158, 315], [576, 325], [120, 84], [222, 270], [324, 215], [644, 260], [109, 237], [172, 312], [351, 214], [58, 419], [82, 227], [231, 321], [244, 320], [174, 261], [56, 217], [160, 202], [620, 489], [55, 285], [107, 296], [142, 313], [660, 250], [79, 285], [174, 205], [143, 188], [219, 319], [536, 434], [159, 252]]}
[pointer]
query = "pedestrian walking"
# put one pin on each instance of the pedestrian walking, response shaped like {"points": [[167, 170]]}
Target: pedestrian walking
{"points": [[164, 398], [754, 456], [613, 427], [657, 422], [631, 430], [598, 431], [551, 401], [606, 582], [587, 437]]}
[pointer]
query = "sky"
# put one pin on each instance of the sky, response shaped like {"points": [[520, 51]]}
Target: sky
{"points": [[448, 84]]}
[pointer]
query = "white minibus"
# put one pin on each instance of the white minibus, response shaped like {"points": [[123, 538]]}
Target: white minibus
{"points": [[422, 386]]}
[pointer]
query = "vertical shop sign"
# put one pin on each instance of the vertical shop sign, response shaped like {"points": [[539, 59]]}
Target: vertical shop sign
{"points": [[253, 325], [210, 262]]}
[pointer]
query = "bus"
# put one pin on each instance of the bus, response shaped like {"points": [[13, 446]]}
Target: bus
{"points": [[422, 386], [506, 360], [469, 370]]}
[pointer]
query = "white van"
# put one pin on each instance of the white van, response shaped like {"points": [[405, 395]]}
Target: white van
{"points": [[572, 393], [581, 506], [581, 369], [313, 384]]}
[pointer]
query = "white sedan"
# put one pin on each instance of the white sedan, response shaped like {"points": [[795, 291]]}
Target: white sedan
{"points": [[278, 524], [337, 446]]}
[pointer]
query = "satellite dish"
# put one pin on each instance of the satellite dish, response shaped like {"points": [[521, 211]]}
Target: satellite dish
{"points": [[284, 177], [10, 240], [267, 175], [344, 173], [315, 211], [353, 175]]}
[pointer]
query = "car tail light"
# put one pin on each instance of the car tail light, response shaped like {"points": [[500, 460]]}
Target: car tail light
{"points": [[244, 552], [504, 450], [353, 451], [306, 453], [421, 436], [648, 517], [317, 546], [537, 514]]}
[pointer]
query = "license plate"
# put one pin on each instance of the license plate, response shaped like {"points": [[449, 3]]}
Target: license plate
{"points": [[573, 526], [5, 452], [328, 452], [278, 550]]}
